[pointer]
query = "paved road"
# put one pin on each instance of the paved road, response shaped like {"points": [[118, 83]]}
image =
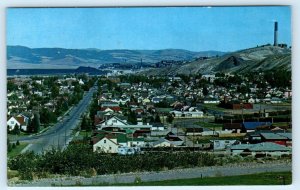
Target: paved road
{"points": [[216, 171], [60, 134]]}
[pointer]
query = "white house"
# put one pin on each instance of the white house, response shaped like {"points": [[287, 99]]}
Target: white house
{"points": [[276, 100], [20, 120], [106, 145], [162, 143], [211, 101], [222, 144], [251, 100], [12, 122], [187, 113], [81, 82], [122, 124], [113, 121]]}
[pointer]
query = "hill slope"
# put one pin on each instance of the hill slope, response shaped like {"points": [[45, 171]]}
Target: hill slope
{"points": [[259, 58]]}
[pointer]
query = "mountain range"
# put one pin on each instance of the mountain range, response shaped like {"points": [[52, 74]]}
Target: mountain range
{"points": [[20, 57]]}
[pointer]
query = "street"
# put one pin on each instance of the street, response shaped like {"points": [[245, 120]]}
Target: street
{"points": [[60, 134]]}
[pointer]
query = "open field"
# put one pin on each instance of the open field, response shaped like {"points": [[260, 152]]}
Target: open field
{"points": [[212, 126]]}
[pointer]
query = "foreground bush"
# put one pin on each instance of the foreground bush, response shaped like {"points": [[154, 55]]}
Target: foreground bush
{"points": [[79, 159]]}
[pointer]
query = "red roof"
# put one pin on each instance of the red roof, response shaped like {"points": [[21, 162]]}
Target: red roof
{"points": [[97, 120], [21, 120], [115, 109]]}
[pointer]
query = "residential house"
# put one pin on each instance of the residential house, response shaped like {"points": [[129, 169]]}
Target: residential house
{"points": [[222, 144], [20, 120], [278, 138], [174, 139], [252, 126], [194, 131], [260, 149], [234, 127], [105, 144], [115, 121], [194, 114], [211, 101]]}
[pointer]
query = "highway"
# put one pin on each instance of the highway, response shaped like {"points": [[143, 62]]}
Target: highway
{"points": [[60, 134]]}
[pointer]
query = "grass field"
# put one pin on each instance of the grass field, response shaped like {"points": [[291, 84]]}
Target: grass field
{"points": [[280, 178], [16, 150], [85, 134], [215, 126]]}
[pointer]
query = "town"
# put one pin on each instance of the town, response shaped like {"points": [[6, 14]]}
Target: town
{"points": [[160, 100], [130, 114]]}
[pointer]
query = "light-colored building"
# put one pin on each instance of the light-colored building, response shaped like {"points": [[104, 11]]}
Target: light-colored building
{"points": [[106, 145]]}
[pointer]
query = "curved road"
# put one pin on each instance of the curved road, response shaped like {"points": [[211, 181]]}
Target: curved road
{"points": [[60, 134]]}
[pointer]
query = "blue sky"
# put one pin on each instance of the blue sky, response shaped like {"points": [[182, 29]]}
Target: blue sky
{"points": [[191, 28]]}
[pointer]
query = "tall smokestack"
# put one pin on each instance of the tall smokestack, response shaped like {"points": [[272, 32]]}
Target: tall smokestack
{"points": [[275, 33]]}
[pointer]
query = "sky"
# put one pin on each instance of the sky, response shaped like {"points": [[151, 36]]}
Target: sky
{"points": [[190, 28]]}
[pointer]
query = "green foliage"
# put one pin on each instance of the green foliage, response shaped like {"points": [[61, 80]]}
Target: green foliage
{"points": [[47, 116], [11, 86], [85, 124], [78, 159], [205, 91], [170, 118], [279, 78], [54, 91], [93, 109], [36, 123], [162, 104], [157, 119], [132, 118], [16, 130], [137, 180], [220, 75]]}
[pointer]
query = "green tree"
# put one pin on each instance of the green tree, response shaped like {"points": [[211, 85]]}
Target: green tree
{"points": [[170, 118], [205, 91], [54, 91], [157, 119], [84, 124], [11, 86], [36, 123], [16, 130], [132, 118]]}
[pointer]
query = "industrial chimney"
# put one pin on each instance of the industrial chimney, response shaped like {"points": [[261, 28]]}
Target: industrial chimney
{"points": [[275, 33]]}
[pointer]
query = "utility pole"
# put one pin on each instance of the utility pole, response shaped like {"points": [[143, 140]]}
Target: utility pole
{"points": [[193, 138], [65, 138]]}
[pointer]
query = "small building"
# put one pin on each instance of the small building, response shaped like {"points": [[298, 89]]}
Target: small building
{"points": [[252, 126], [284, 139], [20, 120], [106, 145], [234, 127], [222, 144], [211, 101], [261, 149], [194, 131], [194, 114]]}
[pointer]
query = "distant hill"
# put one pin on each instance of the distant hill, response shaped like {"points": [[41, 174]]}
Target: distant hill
{"points": [[259, 58], [19, 57], [79, 70]]}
